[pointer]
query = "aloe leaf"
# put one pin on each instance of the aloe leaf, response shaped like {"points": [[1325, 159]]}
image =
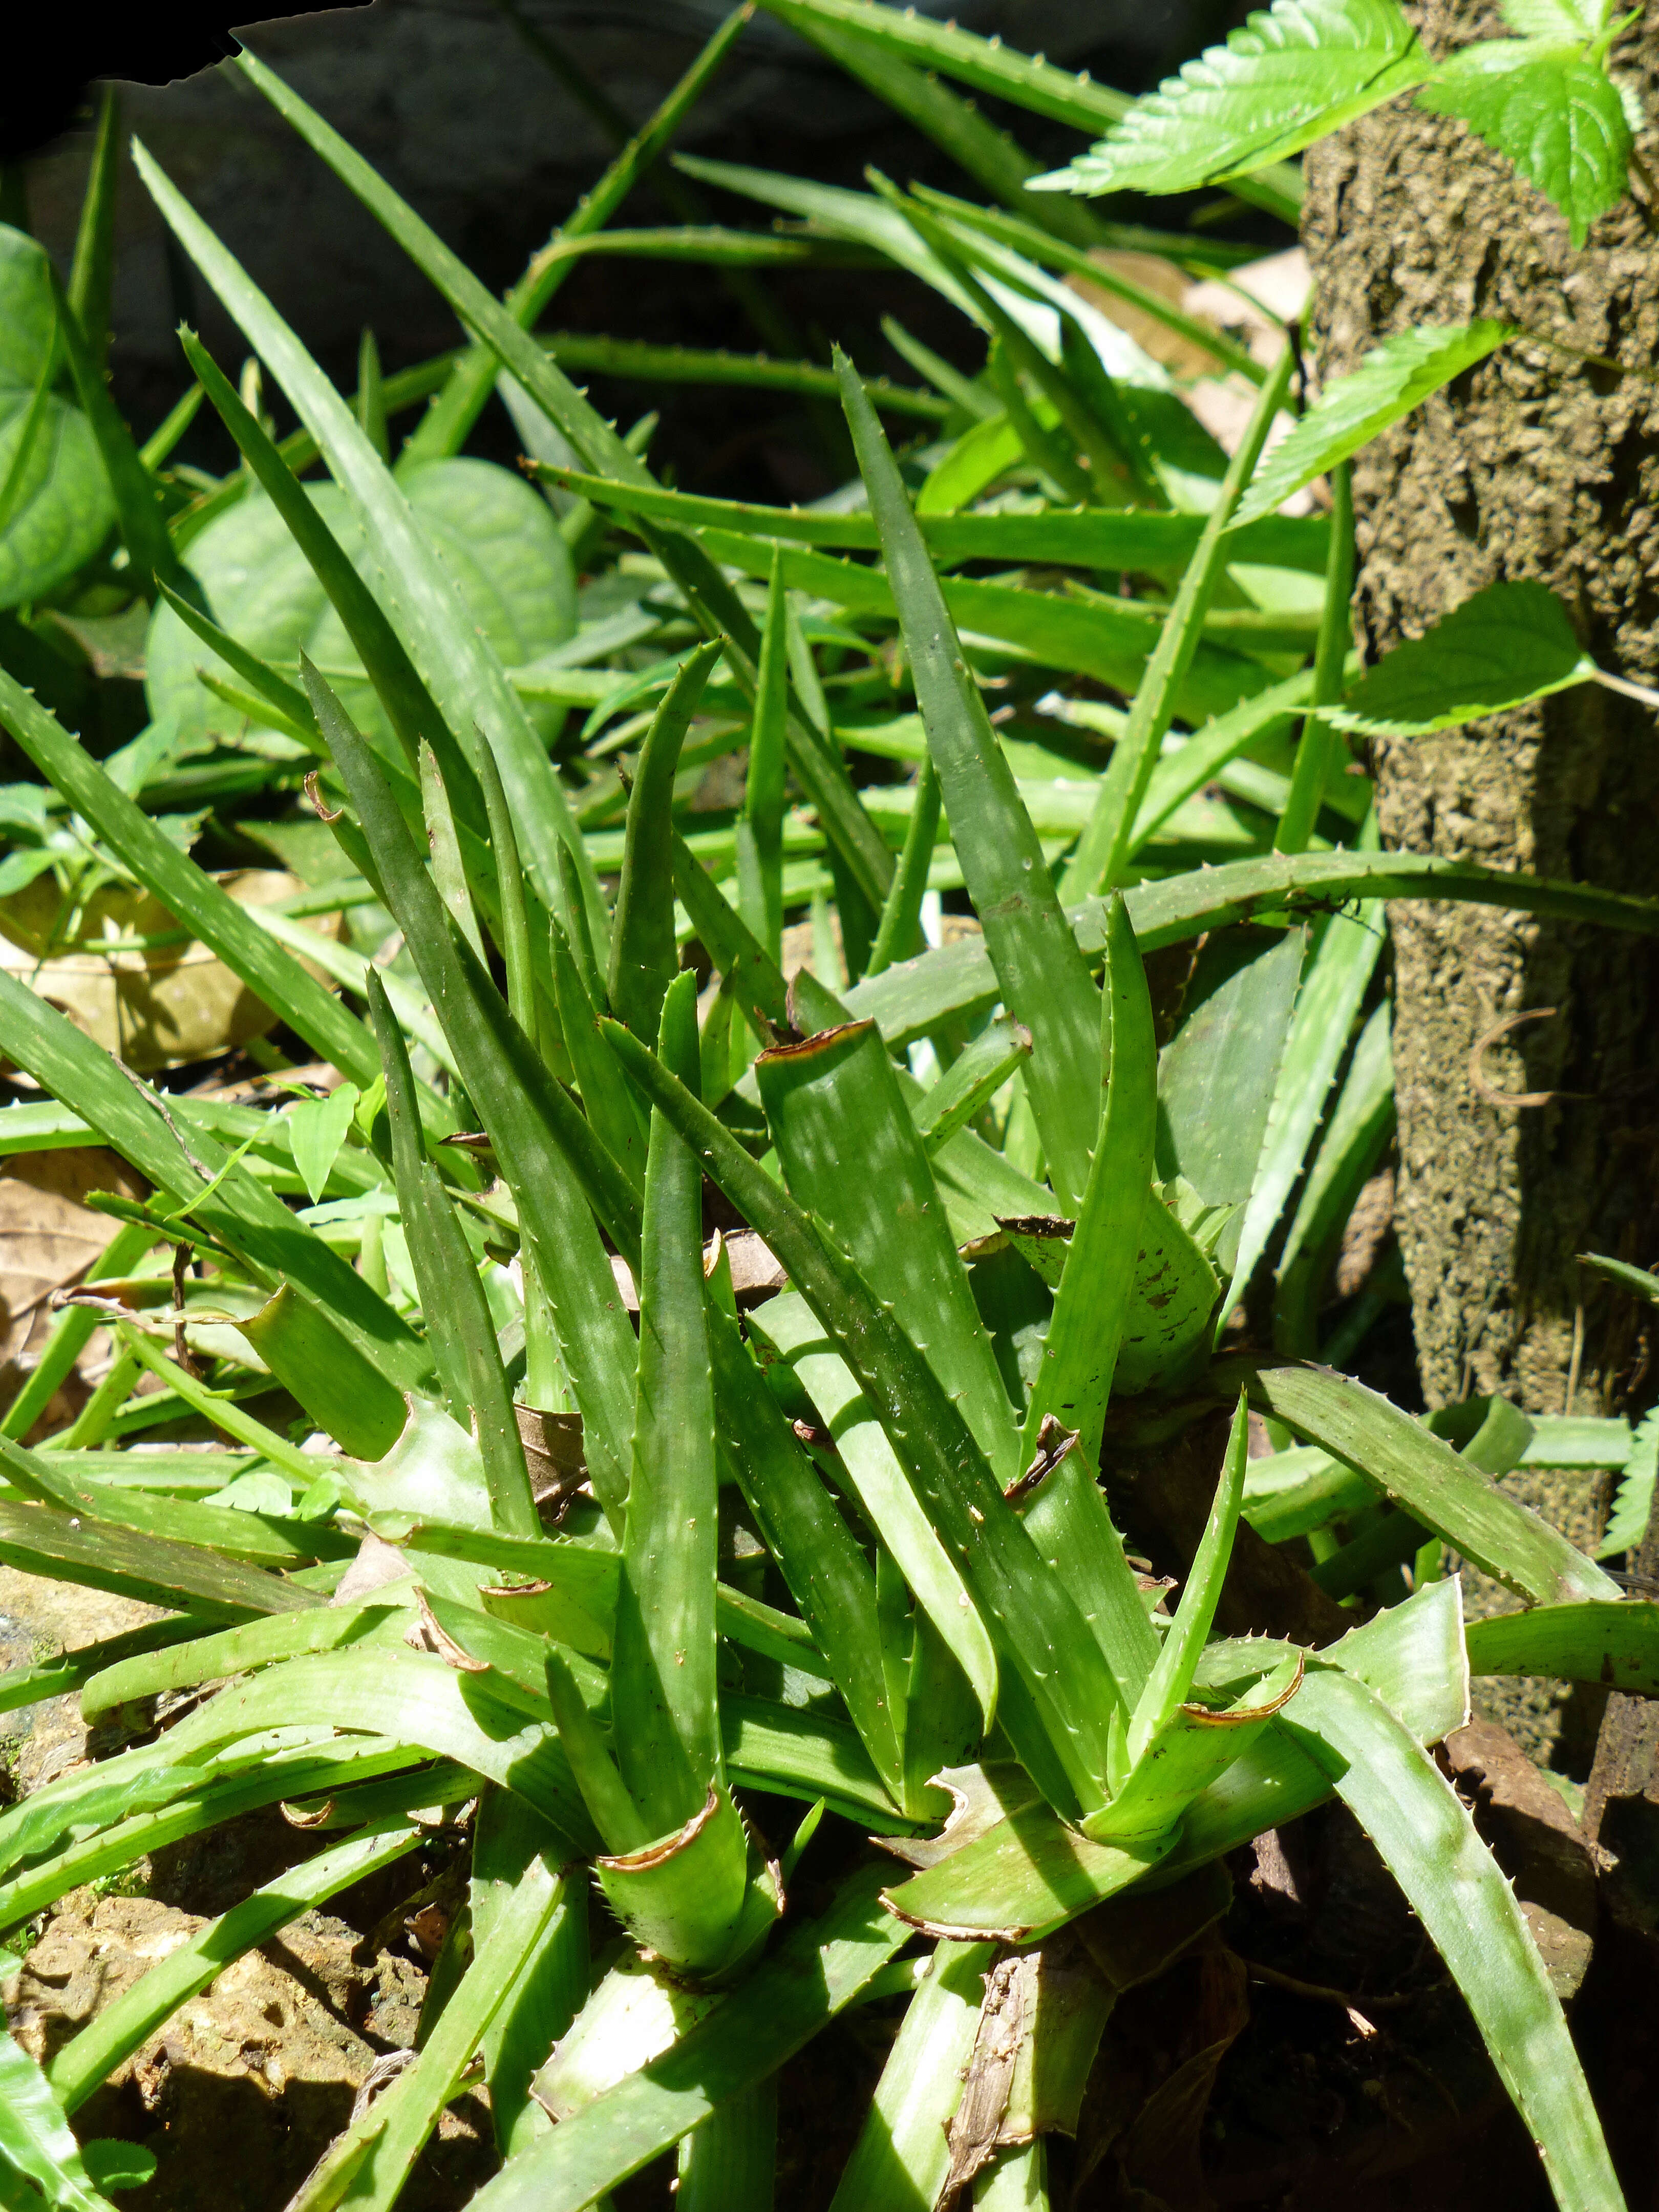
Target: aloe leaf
{"points": [[1028, 81], [1178, 775], [1197, 1746], [138, 508], [885, 1497], [474, 373], [410, 1699], [1468, 1911], [270, 973], [1424, 1476], [546, 1994], [607, 1099], [1617, 1645], [1104, 846], [380, 2150], [1288, 76], [1349, 1149], [457, 665], [1021, 1880], [346, 1397], [820, 1968], [899, 928], [1080, 1352], [122, 2026], [1109, 538], [1171, 1678], [643, 957], [826, 1573], [1045, 982], [1332, 988], [102, 1555], [231, 1651], [519, 1101], [409, 706], [1033, 1617], [664, 1699], [451, 1287], [1394, 377], [760, 826], [40, 2160], [889, 1219], [908, 1002], [1172, 1296], [901, 2156]]}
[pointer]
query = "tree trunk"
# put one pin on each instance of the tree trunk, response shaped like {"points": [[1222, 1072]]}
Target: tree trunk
{"points": [[1533, 464]]}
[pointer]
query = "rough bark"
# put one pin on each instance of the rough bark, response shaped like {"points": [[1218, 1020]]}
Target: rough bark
{"points": [[1537, 466]]}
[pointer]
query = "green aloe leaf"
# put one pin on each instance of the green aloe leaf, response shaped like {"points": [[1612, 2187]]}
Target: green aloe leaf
{"points": [[1424, 1476], [348, 1399], [1505, 647], [1332, 988], [1551, 108], [908, 1002], [889, 1219], [116, 2032], [665, 1703], [901, 2156], [1428, 1842], [820, 1969], [760, 826], [644, 959], [1617, 1645], [270, 973], [1289, 75], [457, 663], [1349, 1149], [1045, 981], [139, 510], [1030, 1615], [1171, 1678], [607, 1101], [1195, 1750], [57, 509], [526, 1115], [1021, 1880], [41, 2162], [156, 1571], [1398, 376]]}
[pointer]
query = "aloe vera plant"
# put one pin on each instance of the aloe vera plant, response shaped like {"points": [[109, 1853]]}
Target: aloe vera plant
{"points": [[851, 1552]]}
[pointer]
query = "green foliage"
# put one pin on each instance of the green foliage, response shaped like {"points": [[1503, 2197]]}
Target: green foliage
{"points": [[835, 1520]]}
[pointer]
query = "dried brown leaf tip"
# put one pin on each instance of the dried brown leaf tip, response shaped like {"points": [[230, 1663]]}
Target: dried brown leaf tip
{"points": [[1054, 1442]]}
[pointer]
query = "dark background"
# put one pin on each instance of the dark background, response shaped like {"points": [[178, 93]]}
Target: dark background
{"points": [[462, 105]]}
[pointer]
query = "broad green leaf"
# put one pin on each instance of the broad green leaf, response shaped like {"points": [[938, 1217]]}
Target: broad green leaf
{"points": [[1616, 1646], [1557, 19], [820, 1968], [1045, 981], [41, 2162], [909, 1001], [888, 1218], [1549, 108], [1424, 1476], [1428, 1842], [1030, 1615], [1398, 376], [116, 2031], [1628, 1524], [1333, 987], [902, 2155], [317, 1129], [1292, 74], [183, 888], [457, 664], [1506, 647], [643, 957], [494, 536], [57, 509]]}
